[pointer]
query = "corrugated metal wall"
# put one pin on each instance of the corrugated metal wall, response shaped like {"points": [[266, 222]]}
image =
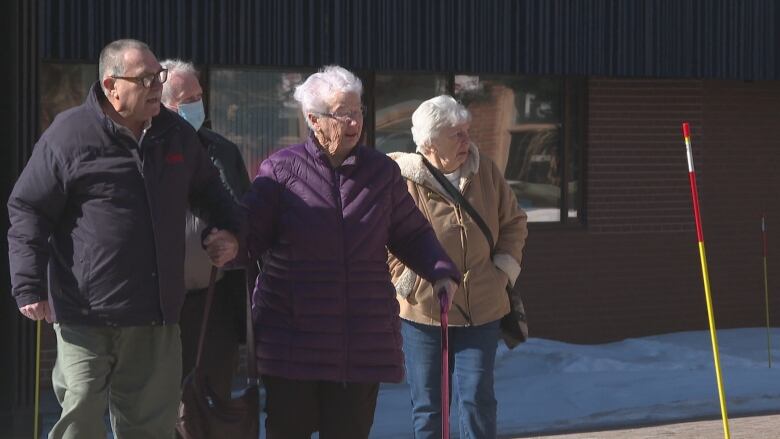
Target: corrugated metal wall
{"points": [[734, 39], [18, 129]]}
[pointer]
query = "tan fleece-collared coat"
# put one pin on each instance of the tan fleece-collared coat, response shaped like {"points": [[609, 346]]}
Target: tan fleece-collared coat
{"points": [[481, 297]]}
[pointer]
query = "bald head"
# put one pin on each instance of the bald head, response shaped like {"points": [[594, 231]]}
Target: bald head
{"points": [[113, 58]]}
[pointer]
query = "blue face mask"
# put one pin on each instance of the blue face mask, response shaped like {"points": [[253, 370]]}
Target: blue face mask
{"points": [[193, 113]]}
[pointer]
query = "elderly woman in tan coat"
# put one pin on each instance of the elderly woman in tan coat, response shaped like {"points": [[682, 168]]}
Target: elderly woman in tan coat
{"points": [[441, 132]]}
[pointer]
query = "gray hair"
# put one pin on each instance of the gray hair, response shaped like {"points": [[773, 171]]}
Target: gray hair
{"points": [[112, 60], [175, 67], [433, 115], [318, 88]]}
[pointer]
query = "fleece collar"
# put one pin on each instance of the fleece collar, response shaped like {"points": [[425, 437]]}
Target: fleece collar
{"points": [[413, 169]]}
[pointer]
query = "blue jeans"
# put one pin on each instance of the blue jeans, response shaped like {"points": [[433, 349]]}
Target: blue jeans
{"points": [[472, 360]]}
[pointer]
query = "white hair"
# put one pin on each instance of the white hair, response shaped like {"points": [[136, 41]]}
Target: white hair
{"points": [[175, 67], [319, 88], [433, 115], [112, 58]]}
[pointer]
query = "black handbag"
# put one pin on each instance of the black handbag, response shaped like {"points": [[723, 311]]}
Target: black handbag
{"points": [[514, 325], [205, 415]]}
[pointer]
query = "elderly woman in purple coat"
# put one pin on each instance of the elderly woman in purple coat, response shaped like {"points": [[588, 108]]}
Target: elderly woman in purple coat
{"points": [[322, 215]]}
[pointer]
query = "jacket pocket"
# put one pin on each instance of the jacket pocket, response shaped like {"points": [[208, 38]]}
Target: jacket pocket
{"points": [[500, 288]]}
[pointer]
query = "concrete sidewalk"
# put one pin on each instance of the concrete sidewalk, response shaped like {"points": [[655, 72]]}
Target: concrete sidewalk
{"points": [[760, 426], [749, 427]]}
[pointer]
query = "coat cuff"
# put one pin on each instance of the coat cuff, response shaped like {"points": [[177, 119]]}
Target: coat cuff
{"points": [[24, 299], [405, 283], [508, 265]]}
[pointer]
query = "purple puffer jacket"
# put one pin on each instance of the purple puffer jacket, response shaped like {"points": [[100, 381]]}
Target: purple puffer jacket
{"points": [[324, 307]]}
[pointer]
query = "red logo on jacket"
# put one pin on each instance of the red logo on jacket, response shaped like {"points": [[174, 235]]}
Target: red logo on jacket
{"points": [[174, 157]]}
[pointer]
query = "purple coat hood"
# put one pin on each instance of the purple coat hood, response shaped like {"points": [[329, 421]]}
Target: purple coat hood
{"points": [[324, 307]]}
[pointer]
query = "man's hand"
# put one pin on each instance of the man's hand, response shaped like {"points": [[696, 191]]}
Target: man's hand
{"points": [[221, 246], [37, 311], [445, 289]]}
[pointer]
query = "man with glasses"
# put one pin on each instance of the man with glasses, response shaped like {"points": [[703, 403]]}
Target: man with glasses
{"points": [[102, 201]]}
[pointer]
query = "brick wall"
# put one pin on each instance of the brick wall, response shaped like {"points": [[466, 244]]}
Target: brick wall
{"points": [[634, 269], [741, 180]]}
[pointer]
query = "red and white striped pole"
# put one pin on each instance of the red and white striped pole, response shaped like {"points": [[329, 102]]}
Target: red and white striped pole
{"points": [[703, 255]]}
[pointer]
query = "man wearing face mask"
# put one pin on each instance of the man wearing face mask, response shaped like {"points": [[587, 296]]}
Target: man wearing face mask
{"points": [[183, 94]]}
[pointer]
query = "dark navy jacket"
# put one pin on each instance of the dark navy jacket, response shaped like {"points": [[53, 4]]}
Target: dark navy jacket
{"points": [[109, 227], [227, 158]]}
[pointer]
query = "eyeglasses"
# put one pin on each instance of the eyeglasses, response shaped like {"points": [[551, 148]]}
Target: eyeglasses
{"points": [[146, 80], [346, 116], [460, 134]]}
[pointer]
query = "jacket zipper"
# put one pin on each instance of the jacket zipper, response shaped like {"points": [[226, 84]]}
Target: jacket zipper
{"points": [[466, 313], [138, 162], [345, 296], [459, 216], [156, 273], [140, 166]]}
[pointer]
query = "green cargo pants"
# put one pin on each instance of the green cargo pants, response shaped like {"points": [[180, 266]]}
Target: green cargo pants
{"points": [[134, 371]]}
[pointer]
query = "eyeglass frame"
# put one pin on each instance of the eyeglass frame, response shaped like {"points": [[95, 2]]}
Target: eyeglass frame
{"points": [[352, 116], [153, 77], [460, 134]]}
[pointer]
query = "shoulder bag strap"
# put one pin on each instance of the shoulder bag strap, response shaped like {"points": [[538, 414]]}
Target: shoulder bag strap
{"points": [[205, 320], [459, 199], [251, 367]]}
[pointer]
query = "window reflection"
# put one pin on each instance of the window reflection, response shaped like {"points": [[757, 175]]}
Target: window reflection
{"points": [[255, 109], [63, 86], [395, 99], [575, 104], [518, 122], [531, 127]]}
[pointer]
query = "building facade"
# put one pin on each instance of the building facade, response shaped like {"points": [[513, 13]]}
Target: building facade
{"points": [[579, 102]]}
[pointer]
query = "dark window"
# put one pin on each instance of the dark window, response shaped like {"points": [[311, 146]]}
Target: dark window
{"points": [[525, 125], [532, 127], [396, 96], [63, 86], [255, 109]]}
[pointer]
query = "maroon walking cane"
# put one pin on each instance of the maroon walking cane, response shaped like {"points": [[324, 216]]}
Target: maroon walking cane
{"points": [[445, 367]]}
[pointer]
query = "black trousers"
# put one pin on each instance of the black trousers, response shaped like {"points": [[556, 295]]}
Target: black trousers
{"points": [[298, 408]]}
